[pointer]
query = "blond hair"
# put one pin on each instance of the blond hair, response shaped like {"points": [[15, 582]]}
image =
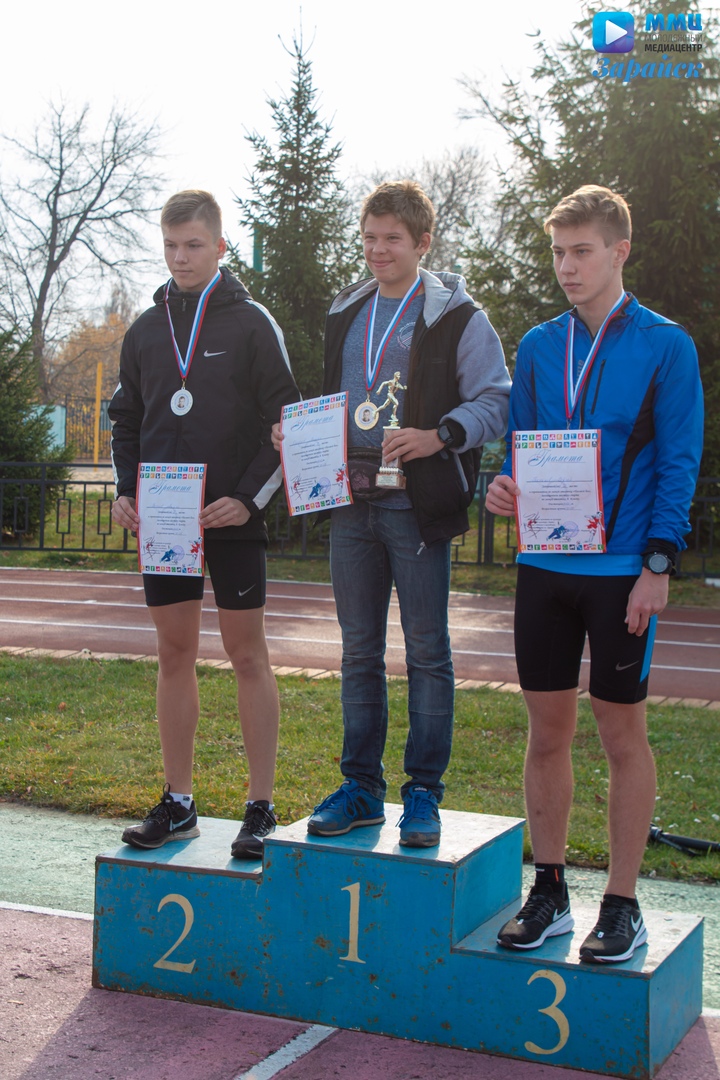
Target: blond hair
{"points": [[193, 205], [594, 204]]}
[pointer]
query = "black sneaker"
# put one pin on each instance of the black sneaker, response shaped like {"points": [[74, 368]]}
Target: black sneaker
{"points": [[544, 914], [259, 822], [619, 931], [169, 820]]}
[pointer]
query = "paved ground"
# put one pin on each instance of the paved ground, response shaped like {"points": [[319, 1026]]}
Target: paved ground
{"points": [[105, 612]]}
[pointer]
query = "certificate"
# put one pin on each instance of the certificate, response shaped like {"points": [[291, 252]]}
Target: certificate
{"points": [[559, 507], [169, 501], [314, 454]]}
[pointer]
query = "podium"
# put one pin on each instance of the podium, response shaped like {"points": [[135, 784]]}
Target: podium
{"points": [[356, 932]]}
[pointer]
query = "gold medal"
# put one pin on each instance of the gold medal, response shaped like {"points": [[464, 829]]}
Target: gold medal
{"points": [[366, 415]]}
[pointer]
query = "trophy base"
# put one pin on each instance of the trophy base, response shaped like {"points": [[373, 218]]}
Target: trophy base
{"points": [[390, 478]]}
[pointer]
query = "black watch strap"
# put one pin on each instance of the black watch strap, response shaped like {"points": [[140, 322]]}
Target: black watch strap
{"points": [[658, 562], [445, 435]]}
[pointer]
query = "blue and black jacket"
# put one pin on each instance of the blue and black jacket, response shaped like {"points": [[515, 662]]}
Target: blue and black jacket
{"points": [[645, 395]]}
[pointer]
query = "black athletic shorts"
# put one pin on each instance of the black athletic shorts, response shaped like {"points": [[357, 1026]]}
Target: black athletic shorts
{"points": [[237, 571], [554, 612]]}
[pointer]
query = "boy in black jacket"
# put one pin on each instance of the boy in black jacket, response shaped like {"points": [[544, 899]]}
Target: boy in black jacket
{"points": [[236, 368]]}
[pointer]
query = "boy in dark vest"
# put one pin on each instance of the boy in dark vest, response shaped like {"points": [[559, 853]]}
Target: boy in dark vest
{"points": [[427, 386]]}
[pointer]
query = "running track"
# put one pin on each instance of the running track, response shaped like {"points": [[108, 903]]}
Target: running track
{"points": [[105, 612]]}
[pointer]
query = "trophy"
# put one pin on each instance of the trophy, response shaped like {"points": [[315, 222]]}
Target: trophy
{"points": [[390, 475]]}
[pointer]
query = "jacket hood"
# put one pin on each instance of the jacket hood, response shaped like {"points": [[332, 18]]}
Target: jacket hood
{"points": [[229, 291], [444, 292]]}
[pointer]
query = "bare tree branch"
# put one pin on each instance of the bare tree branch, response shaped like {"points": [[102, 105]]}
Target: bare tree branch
{"points": [[76, 210]]}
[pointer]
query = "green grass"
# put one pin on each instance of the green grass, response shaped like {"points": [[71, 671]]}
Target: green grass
{"points": [[81, 735]]}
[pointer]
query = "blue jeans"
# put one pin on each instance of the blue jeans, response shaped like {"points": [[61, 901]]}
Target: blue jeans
{"points": [[370, 548]]}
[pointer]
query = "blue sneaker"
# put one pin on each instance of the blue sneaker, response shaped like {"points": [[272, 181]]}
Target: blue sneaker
{"points": [[420, 823], [347, 808]]}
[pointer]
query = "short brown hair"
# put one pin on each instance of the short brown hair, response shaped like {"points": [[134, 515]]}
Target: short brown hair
{"points": [[193, 205], [592, 203], [407, 201]]}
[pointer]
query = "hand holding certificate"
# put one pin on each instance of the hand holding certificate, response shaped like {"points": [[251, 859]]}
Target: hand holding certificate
{"points": [[169, 501], [314, 454], [559, 508]]}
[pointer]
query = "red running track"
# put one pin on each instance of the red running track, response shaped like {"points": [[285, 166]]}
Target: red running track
{"points": [[105, 612]]}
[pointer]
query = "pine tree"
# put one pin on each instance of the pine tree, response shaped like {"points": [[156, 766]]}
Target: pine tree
{"points": [[304, 221], [25, 436], [655, 139]]}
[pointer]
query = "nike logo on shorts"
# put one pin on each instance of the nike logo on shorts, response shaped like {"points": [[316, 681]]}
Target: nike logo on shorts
{"points": [[245, 590], [624, 667]]}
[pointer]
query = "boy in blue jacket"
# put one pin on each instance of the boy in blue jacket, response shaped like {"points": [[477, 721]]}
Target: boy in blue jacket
{"points": [[613, 365]]}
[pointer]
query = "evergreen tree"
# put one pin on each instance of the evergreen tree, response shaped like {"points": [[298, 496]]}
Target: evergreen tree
{"points": [[25, 435], [655, 139], [303, 220]]}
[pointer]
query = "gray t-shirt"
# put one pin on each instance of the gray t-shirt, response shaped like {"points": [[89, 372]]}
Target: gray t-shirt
{"points": [[396, 358]]}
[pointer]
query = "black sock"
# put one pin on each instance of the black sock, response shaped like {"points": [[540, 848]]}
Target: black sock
{"points": [[626, 899], [550, 877]]}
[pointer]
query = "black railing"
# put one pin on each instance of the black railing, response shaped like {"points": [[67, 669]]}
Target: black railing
{"points": [[74, 515]]}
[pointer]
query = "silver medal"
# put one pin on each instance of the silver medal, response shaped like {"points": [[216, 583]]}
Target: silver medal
{"points": [[181, 402]]}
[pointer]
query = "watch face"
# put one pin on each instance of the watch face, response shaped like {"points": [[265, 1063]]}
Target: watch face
{"points": [[659, 564]]}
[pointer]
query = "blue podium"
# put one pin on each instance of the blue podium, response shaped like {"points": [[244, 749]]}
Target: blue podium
{"points": [[357, 932]]}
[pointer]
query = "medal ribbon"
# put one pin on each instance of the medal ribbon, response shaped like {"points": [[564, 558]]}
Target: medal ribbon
{"points": [[372, 368], [574, 388], [184, 364]]}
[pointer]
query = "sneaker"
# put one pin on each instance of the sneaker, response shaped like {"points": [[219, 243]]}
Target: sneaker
{"points": [[544, 914], [350, 807], [259, 822], [619, 931], [420, 822], [169, 820]]}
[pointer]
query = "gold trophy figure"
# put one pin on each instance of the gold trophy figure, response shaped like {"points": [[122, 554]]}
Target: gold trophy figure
{"points": [[390, 474]]}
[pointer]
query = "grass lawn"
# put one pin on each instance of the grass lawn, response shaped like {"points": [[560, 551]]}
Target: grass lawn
{"points": [[81, 735]]}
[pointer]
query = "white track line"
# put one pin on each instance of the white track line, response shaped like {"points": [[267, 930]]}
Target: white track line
{"points": [[292, 1051]]}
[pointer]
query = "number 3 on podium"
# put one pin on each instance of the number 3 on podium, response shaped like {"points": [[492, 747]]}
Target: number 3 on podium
{"points": [[553, 1012]]}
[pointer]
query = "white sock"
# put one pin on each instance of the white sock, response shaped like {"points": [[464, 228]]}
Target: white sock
{"points": [[251, 802], [186, 800]]}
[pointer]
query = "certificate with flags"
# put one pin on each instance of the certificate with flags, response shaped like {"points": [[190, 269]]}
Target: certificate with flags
{"points": [[314, 454], [559, 508], [169, 500]]}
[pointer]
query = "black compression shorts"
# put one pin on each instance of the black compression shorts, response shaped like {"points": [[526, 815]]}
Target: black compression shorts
{"points": [[237, 571], [554, 612]]}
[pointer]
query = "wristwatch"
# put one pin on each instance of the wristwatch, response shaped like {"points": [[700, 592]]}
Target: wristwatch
{"points": [[445, 435], [658, 563]]}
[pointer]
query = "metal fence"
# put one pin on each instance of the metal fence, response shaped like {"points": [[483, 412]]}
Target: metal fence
{"points": [[42, 513]]}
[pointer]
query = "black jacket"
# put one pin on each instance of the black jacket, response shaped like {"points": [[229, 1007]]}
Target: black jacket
{"points": [[240, 378]]}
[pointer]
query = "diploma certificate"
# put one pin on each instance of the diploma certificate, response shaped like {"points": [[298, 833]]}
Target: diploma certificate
{"points": [[169, 501], [559, 507], [314, 454]]}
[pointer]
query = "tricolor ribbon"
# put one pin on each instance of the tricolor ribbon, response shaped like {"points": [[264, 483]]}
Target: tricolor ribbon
{"points": [[184, 363], [573, 387], [372, 367]]}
